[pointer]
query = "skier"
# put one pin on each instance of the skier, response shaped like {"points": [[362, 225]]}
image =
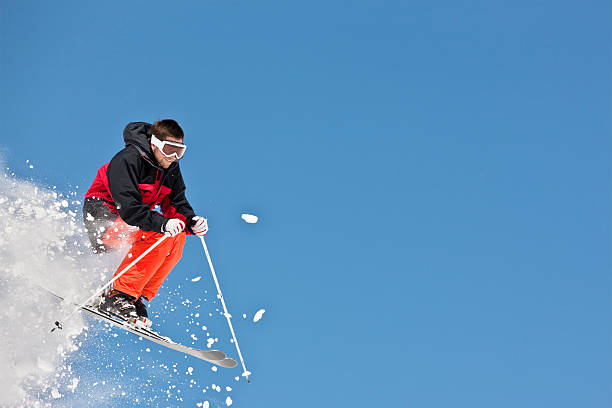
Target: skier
{"points": [[119, 209]]}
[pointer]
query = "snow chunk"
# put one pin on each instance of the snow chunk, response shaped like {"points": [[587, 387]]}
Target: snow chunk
{"points": [[55, 393], [258, 315], [250, 218], [190, 370], [75, 382], [214, 368], [228, 401], [209, 342], [197, 278]]}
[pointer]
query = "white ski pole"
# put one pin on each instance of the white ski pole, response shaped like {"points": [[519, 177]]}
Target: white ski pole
{"points": [[228, 316], [58, 325]]}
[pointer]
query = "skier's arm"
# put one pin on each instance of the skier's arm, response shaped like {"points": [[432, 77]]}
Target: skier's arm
{"points": [[178, 199], [176, 204], [122, 176]]}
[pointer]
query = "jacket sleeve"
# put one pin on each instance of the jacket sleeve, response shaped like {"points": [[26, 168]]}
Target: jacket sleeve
{"points": [[177, 204], [123, 174]]}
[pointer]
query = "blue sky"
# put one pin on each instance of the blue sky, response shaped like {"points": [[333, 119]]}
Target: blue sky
{"points": [[432, 181]]}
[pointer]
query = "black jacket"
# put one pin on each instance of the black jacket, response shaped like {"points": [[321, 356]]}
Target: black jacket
{"points": [[133, 184]]}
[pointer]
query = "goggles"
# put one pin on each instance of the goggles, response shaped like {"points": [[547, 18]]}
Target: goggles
{"points": [[168, 148]]}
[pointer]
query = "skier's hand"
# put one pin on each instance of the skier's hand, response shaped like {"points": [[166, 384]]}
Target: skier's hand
{"points": [[199, 226], [174, 226]]}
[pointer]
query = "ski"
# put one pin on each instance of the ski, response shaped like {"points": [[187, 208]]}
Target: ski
{"points": [[216, 357]]}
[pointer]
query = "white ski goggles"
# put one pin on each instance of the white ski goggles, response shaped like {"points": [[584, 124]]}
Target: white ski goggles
{"points": [[168, 148]]}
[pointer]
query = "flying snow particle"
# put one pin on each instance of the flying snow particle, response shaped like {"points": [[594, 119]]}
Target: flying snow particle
{"points": [[244, 316], [190, 370], [75, 382], [206, 404], [214, 368], [228, 401], [258, 315], [55, 393], [250, 218], [228, 389], [196, 279]]}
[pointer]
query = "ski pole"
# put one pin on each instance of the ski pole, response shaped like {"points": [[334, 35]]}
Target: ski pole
{"points": [[228, 316], [58, 325]]}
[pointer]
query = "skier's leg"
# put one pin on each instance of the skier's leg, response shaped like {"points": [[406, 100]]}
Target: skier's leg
{"points": [[98, 218], [134, 280], [173, 255], [106, 230], [119, 235]]}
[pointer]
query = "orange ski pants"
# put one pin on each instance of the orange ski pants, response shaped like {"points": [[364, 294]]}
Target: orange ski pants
{"points": [[146, 277]]}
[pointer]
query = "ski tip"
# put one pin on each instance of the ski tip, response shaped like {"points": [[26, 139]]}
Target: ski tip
{"points": [[226, 363], [214, 354]]}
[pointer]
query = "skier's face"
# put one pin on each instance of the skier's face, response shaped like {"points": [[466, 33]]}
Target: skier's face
{"points": [[164, 161]]}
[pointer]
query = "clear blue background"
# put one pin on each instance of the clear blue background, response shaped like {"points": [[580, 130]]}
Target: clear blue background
{"points": [[432, 180]]}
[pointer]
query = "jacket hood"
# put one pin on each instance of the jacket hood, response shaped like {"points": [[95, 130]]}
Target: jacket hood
{"points": [[137, 134]]}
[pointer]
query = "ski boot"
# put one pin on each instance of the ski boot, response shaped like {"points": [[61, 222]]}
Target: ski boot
{"points": [[142, 321], [118, 303]]}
